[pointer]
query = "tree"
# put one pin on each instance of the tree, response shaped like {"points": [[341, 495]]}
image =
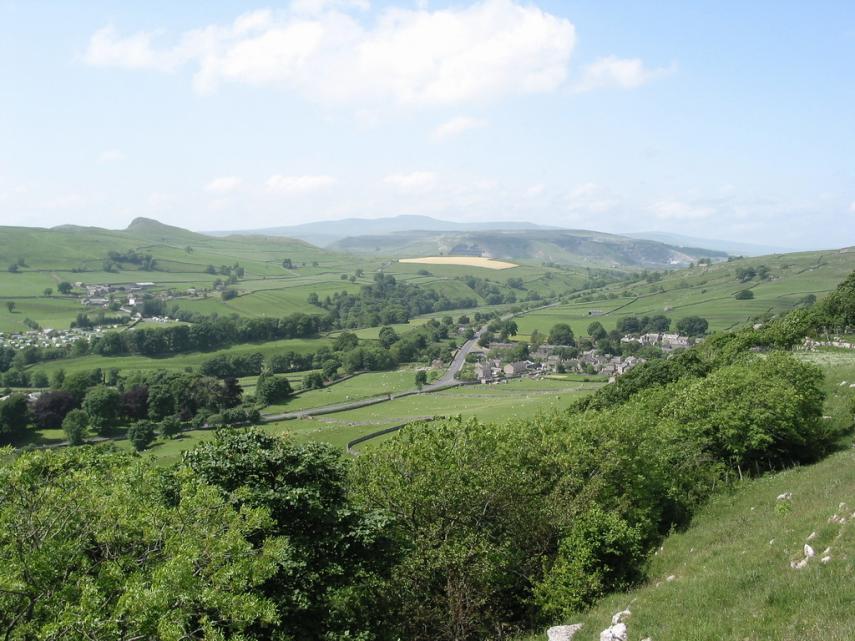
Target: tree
{"points": [[39, 379], [629, 325], [271, 389], [421, 379], [335, 550], [141, 435], [692, 326], [75, 425], [232, 393], [388, 337], [657, 324], [561, 334], [13, 268], [102, 404], [345, 341], [64, 288], [105, 543], [313, 381], [287, 263], [170, 427], [601, 553], [744, 294], [51, 408], [597, 331], [14, 415], [48, 291], [10, 305]]}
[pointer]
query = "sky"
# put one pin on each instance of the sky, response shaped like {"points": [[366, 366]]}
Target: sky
{"points": [[728, 120]]}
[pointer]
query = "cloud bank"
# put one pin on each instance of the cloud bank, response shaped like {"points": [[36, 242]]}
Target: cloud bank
{"points": [[317, 49]]}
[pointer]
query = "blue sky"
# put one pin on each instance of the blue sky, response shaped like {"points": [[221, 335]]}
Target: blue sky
{"points": [[724, 120]]}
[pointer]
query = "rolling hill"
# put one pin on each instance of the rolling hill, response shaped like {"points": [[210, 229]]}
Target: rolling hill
{"points": [[326, 232], [567, 247], [707, 291]]}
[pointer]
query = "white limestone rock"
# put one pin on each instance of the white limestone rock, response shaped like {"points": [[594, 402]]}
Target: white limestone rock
{"points": [[563, 632], [809, 552], [616, 632], [621, 616], [786, 496]]}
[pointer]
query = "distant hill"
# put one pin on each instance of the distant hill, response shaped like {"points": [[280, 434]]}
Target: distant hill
{"points": [[567, 247], [327, 232], [729, 246], [83, 249]]}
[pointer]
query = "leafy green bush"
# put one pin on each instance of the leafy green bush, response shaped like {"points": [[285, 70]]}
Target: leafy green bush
{"points": [[271, 389], [601, 553], [141, 434]]}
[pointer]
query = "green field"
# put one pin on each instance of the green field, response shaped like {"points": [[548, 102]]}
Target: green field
{"points": [[179, 361], [516, 399], [705, 291]]}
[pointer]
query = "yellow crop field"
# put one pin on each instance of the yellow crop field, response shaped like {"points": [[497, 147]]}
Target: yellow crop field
{"points": [[466, 261]]}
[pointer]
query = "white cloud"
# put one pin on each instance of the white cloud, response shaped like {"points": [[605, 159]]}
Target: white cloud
{"points": [[618, 73], [312, 7], [681, 210], [110, 155], [408, 56], [298, 184], [224, 184], [108, 49], [591, 198], [413, 182], [535, 190], [457, 126]]}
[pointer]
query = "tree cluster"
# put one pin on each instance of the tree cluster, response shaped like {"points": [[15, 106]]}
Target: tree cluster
{"points": [[385, 302]]}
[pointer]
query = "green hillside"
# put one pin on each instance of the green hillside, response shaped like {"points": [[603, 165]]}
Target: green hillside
{"points": [[183, 260], [707, 291], [730, 572], [566, 247]]}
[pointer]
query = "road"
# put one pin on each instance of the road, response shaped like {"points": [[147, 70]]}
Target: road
{"points": [[457, 364]]}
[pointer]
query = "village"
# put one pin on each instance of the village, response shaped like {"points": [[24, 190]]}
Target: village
{"points": [[495, 362]]}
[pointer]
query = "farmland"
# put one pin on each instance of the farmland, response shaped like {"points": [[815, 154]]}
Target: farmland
{"points": [[468, 261], [706, 291]]}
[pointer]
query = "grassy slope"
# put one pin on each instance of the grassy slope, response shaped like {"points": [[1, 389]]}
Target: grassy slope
{"points": [[707, 292], [732, 566], [182, 257]]}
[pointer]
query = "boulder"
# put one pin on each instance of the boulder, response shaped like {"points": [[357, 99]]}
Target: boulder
{"points": [[621, 616], [809, 552], [616, 632], [786, 496], [562, 632]]}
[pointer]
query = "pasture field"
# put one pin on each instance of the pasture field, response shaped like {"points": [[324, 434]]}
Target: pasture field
{"points": [[183, 258], [516, 399], [177, 361], [706, 291], [359, 387], [467, 261], [505, 401]]}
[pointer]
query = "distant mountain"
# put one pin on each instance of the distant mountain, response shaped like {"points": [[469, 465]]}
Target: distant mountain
{"points": [[327, 232], [561, 246], [731, 247]]}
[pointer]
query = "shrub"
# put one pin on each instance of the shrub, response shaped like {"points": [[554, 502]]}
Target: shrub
{"points": [[271, 389], [601, 553], [141, 435], [75, 425], [170, 427], [744, 294]]}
